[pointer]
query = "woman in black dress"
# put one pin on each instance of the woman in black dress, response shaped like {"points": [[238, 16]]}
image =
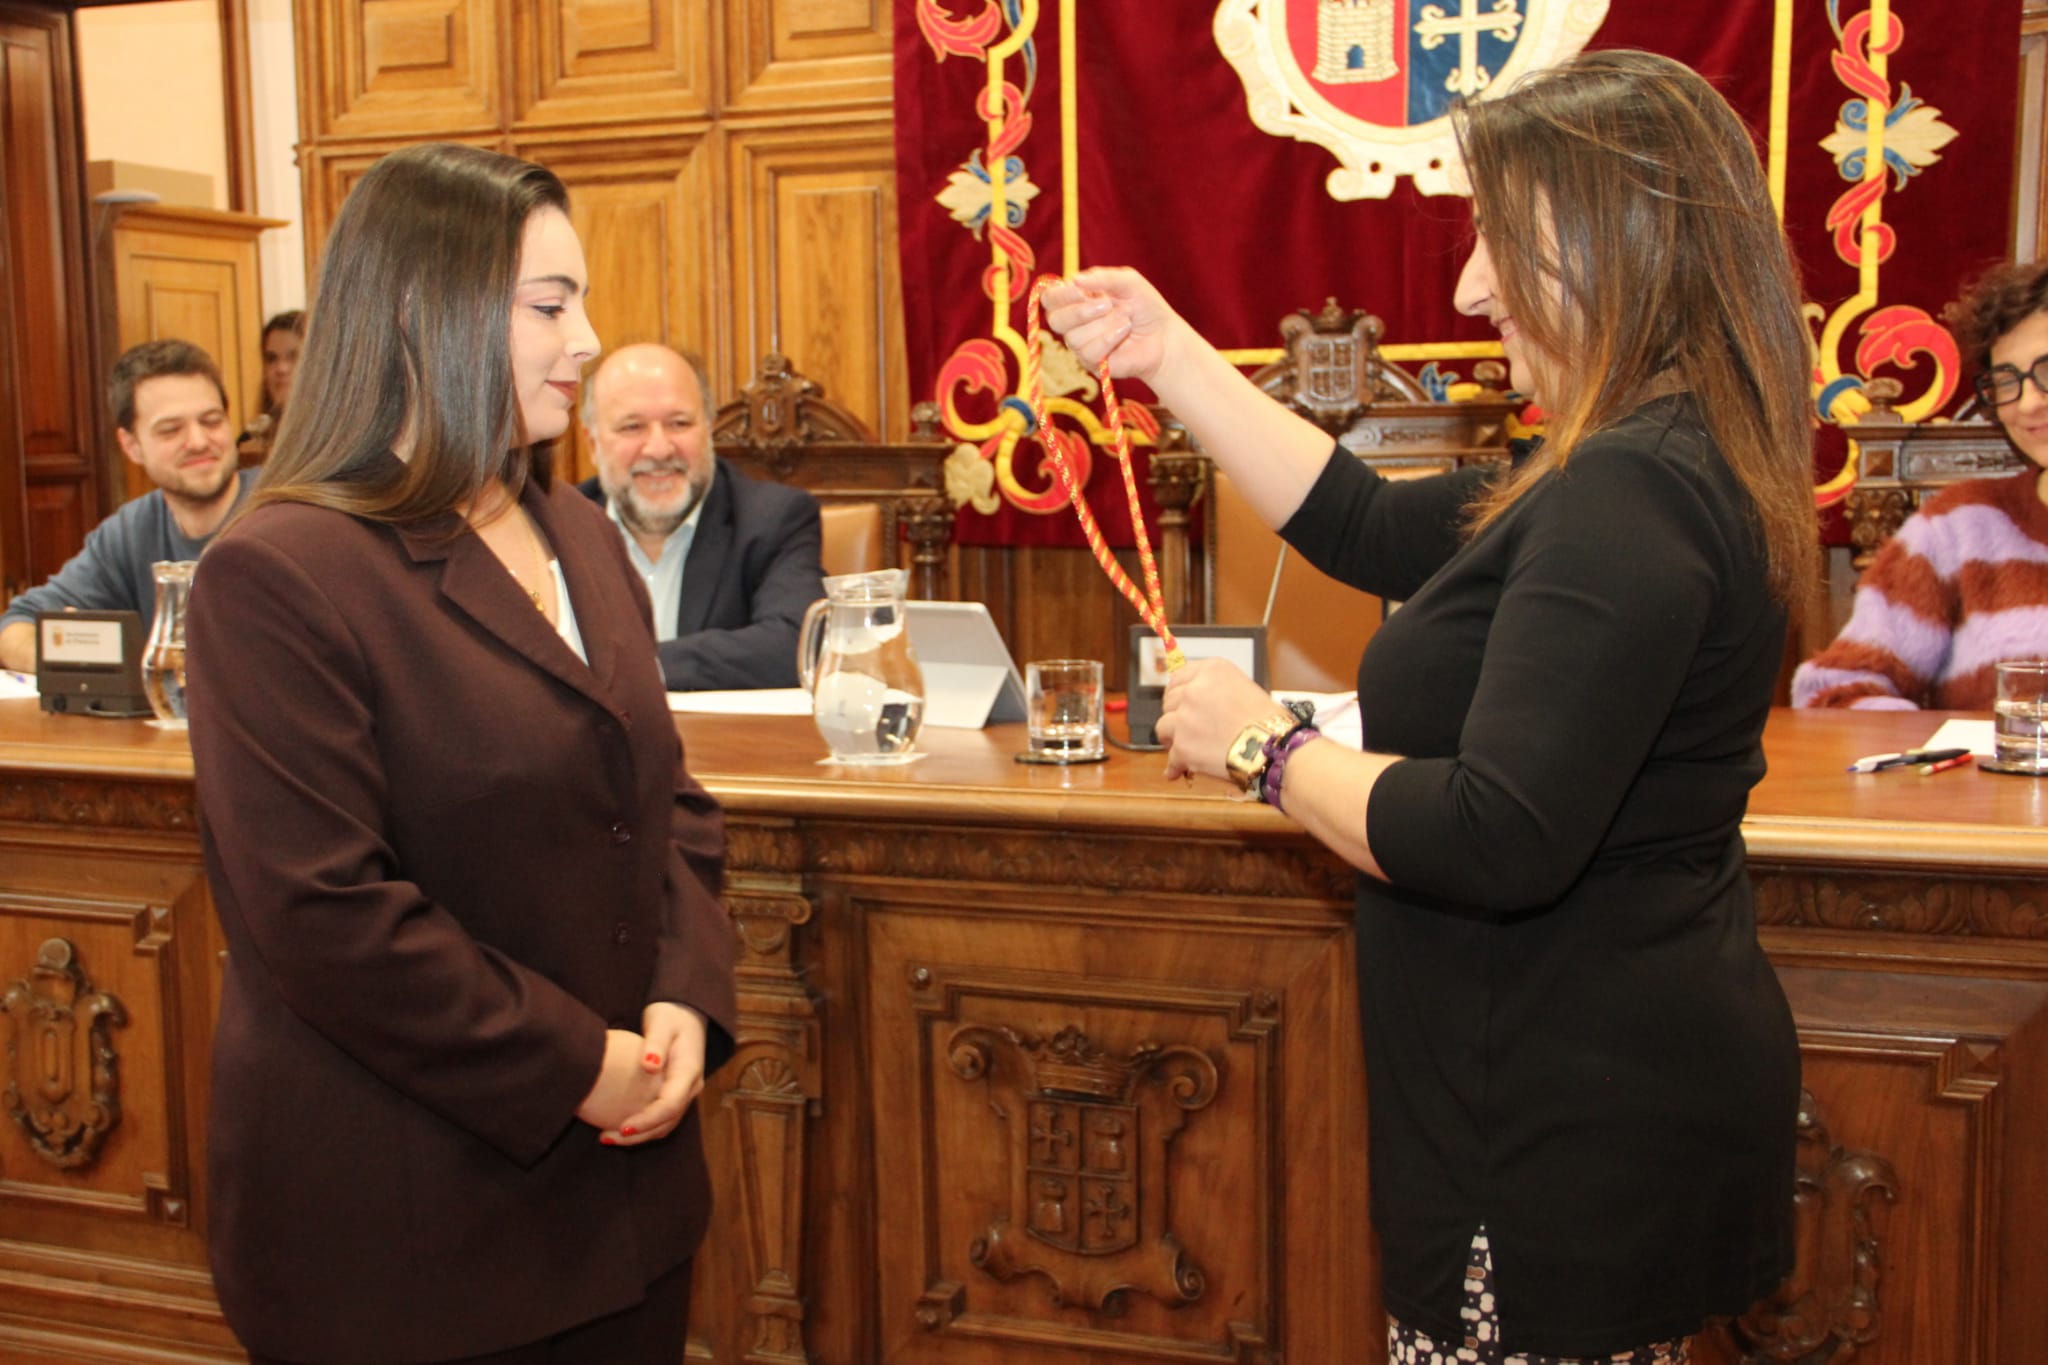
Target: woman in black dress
{"points": [[1584, 1073]]}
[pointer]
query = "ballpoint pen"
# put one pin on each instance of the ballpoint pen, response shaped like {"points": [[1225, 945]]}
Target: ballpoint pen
{"points": [[1927, 769], [1912, 757]]}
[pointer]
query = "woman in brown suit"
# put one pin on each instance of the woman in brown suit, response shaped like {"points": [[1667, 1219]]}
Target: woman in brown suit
{"points": [[478, 967]]}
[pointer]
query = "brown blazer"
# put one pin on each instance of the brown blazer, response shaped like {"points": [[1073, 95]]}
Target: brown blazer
{"points": [[447, 856]]}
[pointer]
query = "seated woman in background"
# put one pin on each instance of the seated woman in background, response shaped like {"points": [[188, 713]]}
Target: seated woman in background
{"points": [[282, 337], [1964, 583]]}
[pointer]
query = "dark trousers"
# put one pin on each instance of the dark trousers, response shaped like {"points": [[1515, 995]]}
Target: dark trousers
{"points": [[651, 1332]]}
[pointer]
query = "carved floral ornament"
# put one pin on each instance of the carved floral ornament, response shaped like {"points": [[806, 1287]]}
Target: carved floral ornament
{"points": [[1089, 1137], [1829, 1307], [63, 1078]]}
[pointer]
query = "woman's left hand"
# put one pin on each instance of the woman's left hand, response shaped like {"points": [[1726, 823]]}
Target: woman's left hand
{"points": [[675, 1051], [1208, 701]]}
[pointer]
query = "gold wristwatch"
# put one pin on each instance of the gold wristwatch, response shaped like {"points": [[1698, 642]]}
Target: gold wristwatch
{"points": [[1245, 760]]}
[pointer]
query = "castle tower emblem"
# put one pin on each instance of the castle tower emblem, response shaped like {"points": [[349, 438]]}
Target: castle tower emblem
{"points": [[1355, 41]]}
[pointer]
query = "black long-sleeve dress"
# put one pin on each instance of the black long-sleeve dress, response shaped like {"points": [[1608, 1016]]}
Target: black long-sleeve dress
{"points": [[1572, 1035]]}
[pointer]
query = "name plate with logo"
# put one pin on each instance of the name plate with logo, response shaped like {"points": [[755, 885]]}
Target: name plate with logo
{"points": [[90, 663]]}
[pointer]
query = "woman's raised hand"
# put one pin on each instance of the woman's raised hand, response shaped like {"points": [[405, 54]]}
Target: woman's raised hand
{"points": [[1115, 312]]}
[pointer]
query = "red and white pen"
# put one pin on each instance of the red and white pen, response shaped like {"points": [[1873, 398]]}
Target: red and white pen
{"points": [[1929, 769]]}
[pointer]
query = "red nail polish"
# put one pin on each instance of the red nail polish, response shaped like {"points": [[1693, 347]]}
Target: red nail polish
{"points": [[627, 1131], [654, 1059], [607, 1141]]}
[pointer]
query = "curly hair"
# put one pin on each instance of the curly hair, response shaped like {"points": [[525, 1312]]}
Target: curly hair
{"points": [[1996, 302]]}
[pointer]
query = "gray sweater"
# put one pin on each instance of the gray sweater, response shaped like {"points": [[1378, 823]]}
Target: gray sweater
{"points": [[111, 572]]}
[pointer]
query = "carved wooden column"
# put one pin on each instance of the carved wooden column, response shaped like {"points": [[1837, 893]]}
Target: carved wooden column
{"points": [[927, 522], [775, 1093], [1178, 477]]}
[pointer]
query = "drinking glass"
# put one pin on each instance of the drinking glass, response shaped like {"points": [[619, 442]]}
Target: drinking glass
{"points": [[2019, 734], [1065, 709]]}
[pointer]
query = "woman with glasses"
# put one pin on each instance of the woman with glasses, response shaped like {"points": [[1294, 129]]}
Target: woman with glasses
{"points": [[1964, 583]]}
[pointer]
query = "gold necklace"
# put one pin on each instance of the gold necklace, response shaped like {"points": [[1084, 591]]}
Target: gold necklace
{"points": [[540, 550]]}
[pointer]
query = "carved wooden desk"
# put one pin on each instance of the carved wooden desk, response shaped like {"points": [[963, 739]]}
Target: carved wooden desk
{"points": [[1049, 1065]]}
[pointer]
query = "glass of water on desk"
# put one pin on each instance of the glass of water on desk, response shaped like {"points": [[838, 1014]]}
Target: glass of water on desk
{"points": [[1064, 697], [2020, 716]]}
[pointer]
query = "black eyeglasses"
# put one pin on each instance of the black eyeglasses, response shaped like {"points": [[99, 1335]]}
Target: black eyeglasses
{"points": [[2001, 384]]}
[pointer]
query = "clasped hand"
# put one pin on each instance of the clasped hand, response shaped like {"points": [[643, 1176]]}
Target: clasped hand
{"points": [[648, 1080], [1207, 702]]}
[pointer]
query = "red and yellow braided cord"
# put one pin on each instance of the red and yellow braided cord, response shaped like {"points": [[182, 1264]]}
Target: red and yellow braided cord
{"points": [[1150, 603]]}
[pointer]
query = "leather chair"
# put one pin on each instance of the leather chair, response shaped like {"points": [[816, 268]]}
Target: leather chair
{"points": [[852, 537]]}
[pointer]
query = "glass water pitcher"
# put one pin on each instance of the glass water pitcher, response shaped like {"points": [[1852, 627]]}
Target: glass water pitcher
{"points": [[163, 655], [854, 653]]}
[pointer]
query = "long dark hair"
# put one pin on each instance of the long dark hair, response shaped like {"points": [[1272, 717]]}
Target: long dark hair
{"points": [[409, 342], [1663, 267]]}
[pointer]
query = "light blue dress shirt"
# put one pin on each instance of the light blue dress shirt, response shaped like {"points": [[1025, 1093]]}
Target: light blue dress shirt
{"points": [[663, 576]]}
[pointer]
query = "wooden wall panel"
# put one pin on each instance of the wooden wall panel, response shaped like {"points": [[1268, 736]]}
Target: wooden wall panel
{"points": [[1172, 1202], [383, 68], [128, 1218], [612, 61], [815, 226], [192, 274], [648, 216], [808, 53], [49, 475]]}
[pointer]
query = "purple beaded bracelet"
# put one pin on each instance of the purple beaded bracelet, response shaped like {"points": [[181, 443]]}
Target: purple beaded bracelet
{"points": [[1277, 752]]}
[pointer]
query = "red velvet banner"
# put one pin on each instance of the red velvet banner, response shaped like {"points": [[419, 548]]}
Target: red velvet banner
{"points": [[1171, 172]]}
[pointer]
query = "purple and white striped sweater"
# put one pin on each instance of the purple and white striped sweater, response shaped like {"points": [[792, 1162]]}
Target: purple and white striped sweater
{"points": [[1962, 585]]}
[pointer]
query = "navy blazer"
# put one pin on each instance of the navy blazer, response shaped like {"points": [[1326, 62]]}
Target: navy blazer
{"points": [[752, 572], [446, 854]]}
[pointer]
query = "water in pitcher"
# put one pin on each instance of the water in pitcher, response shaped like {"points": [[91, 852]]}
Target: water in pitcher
{"points": [[163, 681], [860, 715]]}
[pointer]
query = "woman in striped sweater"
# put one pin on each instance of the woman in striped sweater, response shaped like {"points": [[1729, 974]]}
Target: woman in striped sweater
{"points": [[1964, 583]]}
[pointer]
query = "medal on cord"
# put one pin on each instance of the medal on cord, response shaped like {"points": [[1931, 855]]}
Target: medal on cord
{"points": [[1150, 603]]}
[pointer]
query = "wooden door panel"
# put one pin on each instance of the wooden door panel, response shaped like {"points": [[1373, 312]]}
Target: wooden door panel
{"points": [[384, 68], [1080, 1120], [612, 61], [120, 966], [806, 53], [647, 215], [1922, 1132], [48, 392], [816, 227], [192, 274], [116, 948]]}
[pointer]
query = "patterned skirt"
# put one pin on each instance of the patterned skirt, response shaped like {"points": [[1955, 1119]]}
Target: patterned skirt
{"points": [[1481, 1346]]}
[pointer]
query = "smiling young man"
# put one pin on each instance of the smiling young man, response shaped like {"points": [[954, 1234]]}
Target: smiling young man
{"points": [[171, 416], [731, 562]]}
